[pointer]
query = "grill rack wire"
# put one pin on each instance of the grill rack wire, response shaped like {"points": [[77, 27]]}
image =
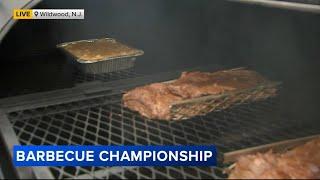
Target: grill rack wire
{"points": [[203, 105], [100, 118], [104, 121]]}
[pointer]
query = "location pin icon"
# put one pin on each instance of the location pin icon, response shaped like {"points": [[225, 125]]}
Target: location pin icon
{"points": [[36, 13]]}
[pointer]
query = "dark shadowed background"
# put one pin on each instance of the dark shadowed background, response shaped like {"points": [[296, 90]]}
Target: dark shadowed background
{"points": [[283, 45]]}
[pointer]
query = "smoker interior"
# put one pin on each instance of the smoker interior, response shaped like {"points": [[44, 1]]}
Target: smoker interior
{"points": [[45, 102], [104, 121]]}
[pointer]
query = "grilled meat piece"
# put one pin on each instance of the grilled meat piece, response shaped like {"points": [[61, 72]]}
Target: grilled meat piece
{"points": [[302, 162], [152, 101], [196, 84]]}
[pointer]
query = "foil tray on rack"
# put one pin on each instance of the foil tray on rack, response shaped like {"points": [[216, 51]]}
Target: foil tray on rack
{"points": [[103, 55]]}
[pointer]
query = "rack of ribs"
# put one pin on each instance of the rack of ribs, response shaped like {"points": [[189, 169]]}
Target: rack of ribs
{"points": [[154, 101]]}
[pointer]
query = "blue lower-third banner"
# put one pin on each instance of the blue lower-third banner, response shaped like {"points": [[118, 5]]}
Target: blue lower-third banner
{"points": [[114, 155]]}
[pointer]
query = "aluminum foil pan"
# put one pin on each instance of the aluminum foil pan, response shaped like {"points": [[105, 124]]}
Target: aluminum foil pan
{"points": [[100, 55]]}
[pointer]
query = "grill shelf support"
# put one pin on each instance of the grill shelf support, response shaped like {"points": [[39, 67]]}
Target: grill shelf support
{"points": [[92, 114]]}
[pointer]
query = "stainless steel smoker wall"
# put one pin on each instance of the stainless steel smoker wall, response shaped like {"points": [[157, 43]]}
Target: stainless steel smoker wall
{"points": [[281, 44], [6, 8], [284, 44]]}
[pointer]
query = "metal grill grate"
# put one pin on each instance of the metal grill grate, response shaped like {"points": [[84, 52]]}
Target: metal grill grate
{"points": [[104, 121], [80, 77]]}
